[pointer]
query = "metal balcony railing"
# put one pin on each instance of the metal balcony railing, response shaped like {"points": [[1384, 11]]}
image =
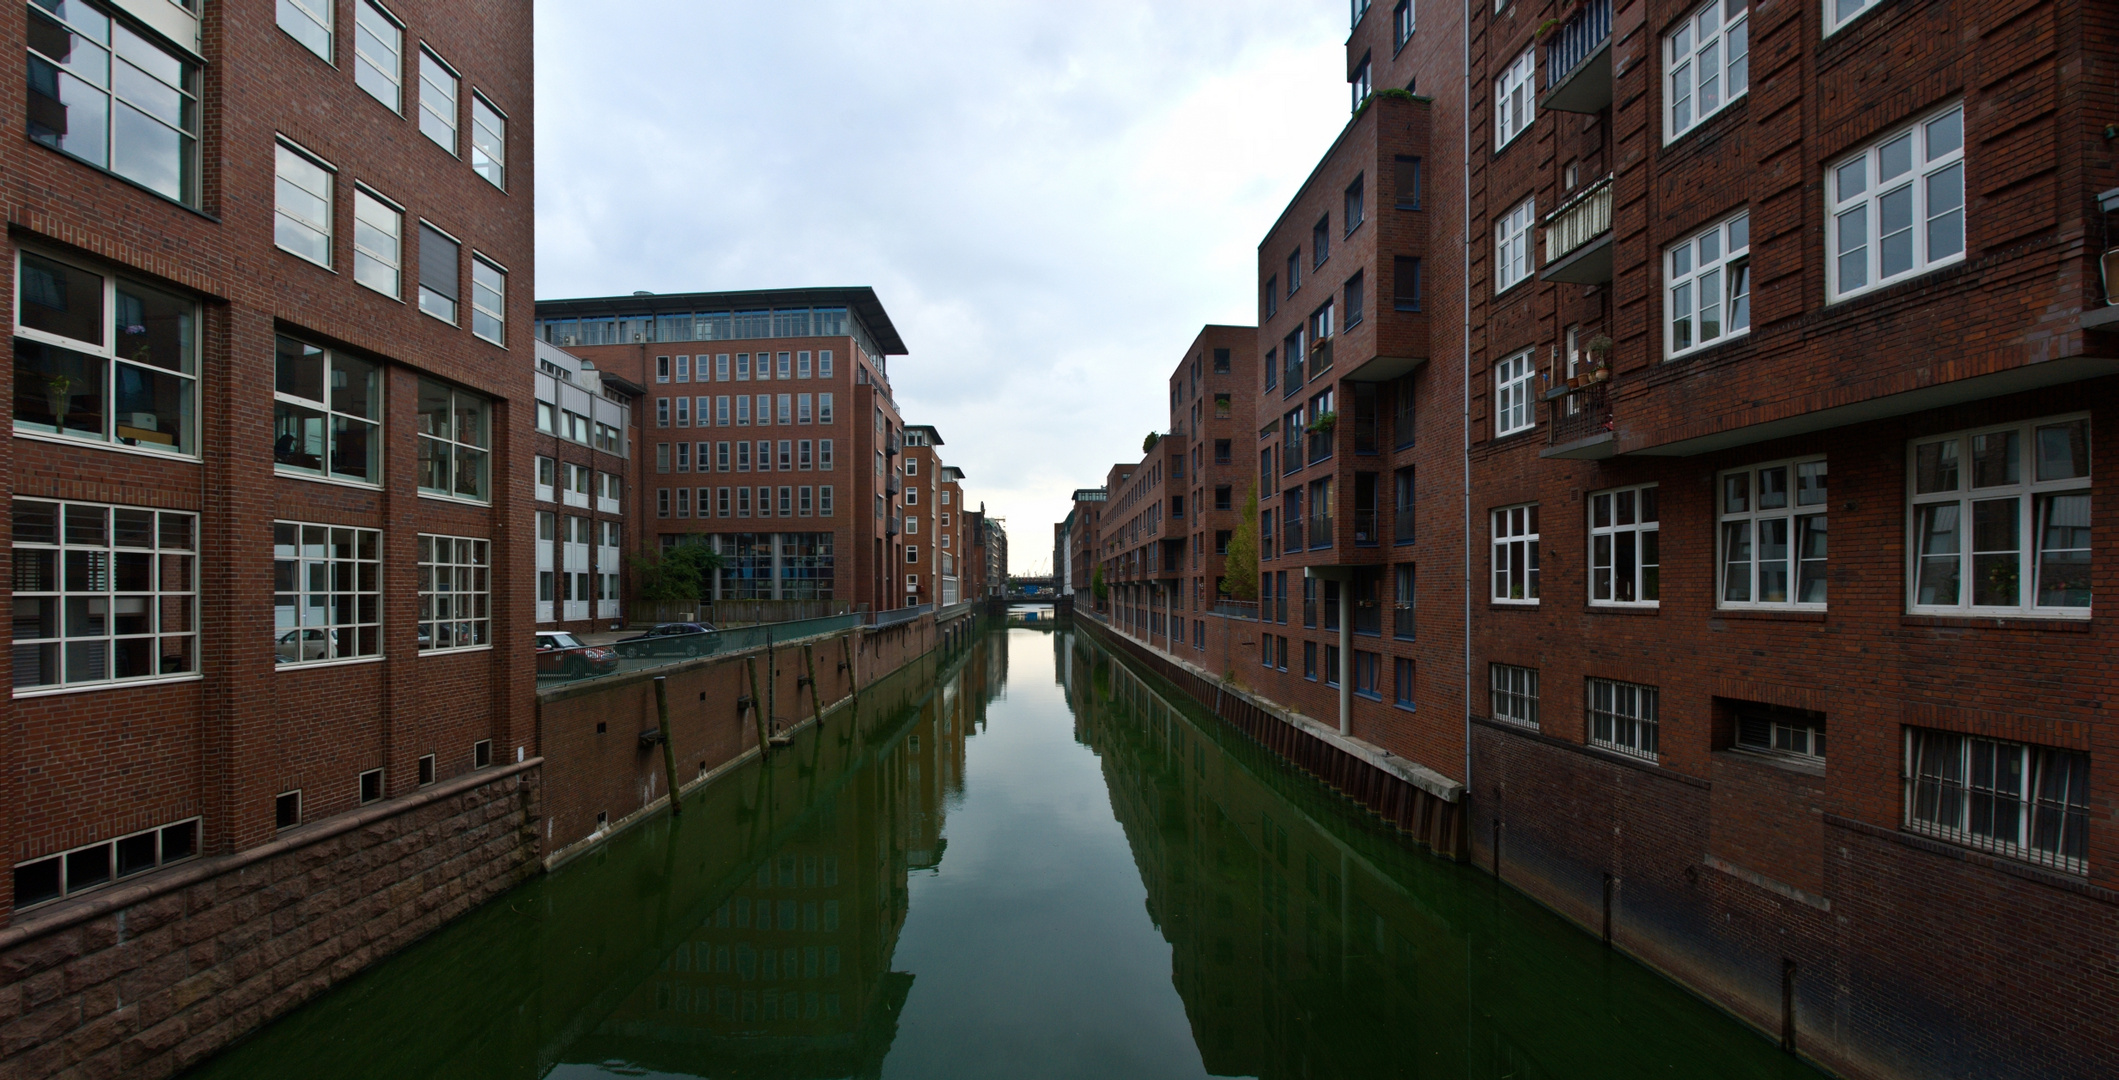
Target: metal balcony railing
{"points": [[895, 443], [1237, 609], [1321, 444], [1365, 528], [1291, 541], [1320, 531], [1320, 358], [1576, 41], [1291, 376], [1402, 526], [1578, 221], [1580, 414], [1280, 610], [1364, 430], [1402, 621], [896, 523]]}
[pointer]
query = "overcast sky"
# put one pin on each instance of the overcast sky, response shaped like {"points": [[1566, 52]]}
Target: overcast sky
{"points": [[1050, 198]]}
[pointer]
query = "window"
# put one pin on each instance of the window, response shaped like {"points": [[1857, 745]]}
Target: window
{"points": [[1792, 732], [1294, 271], [378, 54], [136, 115], [102, 358], [2015, 799], [97, 864], [1358, 84], [1708, 58], [2001, 521], [1709, 278], [1401, 24], [1309, 660], [452, 441], [1512, 246], [454, 601], [662, 501], [489, 302], [1222, 359], [1321, 241], [378, 243], [1623, 546], [489, 142], [912, 553], [824, 500], [302, 205], [1402, 680], [1512, 405], [547, 417], [824, 455], [1622, 717], [327, 592], [437, 101], [1272, 301], [1897, 208], [1355, 206], [326, 412], [1368, 674], [103, 594], [309, 22], [1839, 13], [1405, 282], [1515, 693], [1773, 535], [1354, 300], [1516, 555], [1406, 182], [437, 273], [1514, 98], [824, 408], [1222, 497]]}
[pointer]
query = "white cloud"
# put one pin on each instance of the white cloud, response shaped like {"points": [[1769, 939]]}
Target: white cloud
{"points": [[1050, 199]]}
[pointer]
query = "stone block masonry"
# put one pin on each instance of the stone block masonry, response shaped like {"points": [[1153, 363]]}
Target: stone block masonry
{"points": [[147, 979]]}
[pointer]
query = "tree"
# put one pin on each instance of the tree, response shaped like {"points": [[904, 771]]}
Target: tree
{"points": [[1240, 565], [1148, 443], [678, 576], [1096, 583]]}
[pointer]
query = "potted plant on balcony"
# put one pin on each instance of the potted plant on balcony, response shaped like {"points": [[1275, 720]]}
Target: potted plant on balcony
{"points": [[1324, 422], [1599, 366]]}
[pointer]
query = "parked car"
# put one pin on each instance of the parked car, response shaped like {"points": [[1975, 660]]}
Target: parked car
{"points": [[672, 639], [561, 653], [310, 644]]}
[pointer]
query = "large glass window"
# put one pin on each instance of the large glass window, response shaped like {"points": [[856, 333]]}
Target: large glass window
{"points": [[438, 88], [1773, 535], [437, 273], [103, 358], [378, 54], [1515, 103], [378, 243], [2015, 799], [302, 205], [1709, 282], [2001, 521], [1516, 554], [1708, 61], [1839, 13], [327, 592], [103, 594], [489, 305], [1512, 246], [1513, 411], [326, 412], [453, 441], [310, 22], [454, 593], [113, 98], [1897, 208], [489, 142], [1515, 693], [1624, 548], [1622, 717]]}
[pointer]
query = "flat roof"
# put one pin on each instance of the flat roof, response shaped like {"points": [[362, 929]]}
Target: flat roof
{"points": [[860, 299]]}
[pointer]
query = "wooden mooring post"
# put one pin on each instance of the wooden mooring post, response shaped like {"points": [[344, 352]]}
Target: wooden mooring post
{"points": [[757, 710], [816, 699], [669, 752]]}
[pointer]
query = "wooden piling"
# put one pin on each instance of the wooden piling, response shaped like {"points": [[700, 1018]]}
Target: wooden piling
{"points": [[816, 699], [669, 752], [765, 749]]}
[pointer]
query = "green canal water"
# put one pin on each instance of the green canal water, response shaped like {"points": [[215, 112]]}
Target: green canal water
{"points": [[1022, 860]]}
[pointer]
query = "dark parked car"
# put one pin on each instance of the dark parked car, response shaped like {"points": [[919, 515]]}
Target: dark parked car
{"points": [[672, 639], [561, 653]]}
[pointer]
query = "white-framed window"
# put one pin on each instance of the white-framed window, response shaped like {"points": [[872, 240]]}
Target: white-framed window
{"points": [[1516, 554], [1624, 558], [379, 54], [824, 407], [438, 289], [326, 412], [309, 22], [438, 90], [327, 592], [1515, 693], [824, 500], [301, 204], [489, 142], [94, 865], [1707, 61], [1772, 541], [113, 98], [489, 300], [1622, 717], [1515, 98], [547, 477], [2015, 799], [103, 594], [1708, 287], [102, 358], [378, 242], [2000, 520], [455, 602], [1896, 208], [1781, 732], [1512, 245], [453, 439], [1839, 13], [1513, 411], [912, 555]]}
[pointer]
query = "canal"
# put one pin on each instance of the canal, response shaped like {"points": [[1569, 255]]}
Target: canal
{"points": [[1022, 860]]}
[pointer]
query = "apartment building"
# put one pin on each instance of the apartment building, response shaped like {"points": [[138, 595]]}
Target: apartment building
{"points": [[581, 453], [1084, 539], [796, 482], [1212, 407], [268, 269], [922, 498], [949, 533]]}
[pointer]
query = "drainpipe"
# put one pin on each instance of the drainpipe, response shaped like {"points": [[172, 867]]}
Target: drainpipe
{"points": [[1346, 658]]}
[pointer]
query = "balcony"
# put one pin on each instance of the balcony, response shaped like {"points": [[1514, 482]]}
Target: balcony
{"points": [[891, 485], [1320, 358], [1280, 610], [895, 525], [895, 443], [1402, 621], [1402, 526], [1365, 528], [1579, 423], [1237, 609], [1320, 530], [1578, 61], [1291, 542], [1578, 238]]}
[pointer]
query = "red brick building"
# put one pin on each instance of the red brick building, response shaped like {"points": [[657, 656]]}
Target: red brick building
{"points": [[583, 480], [1212, 400], [271, 385], [767, 429]]}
